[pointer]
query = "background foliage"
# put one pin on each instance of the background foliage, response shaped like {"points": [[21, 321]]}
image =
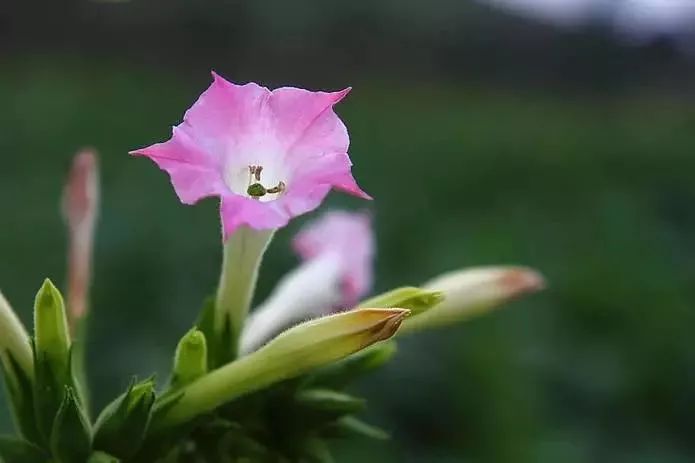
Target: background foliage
{"points": [[485, 139]]}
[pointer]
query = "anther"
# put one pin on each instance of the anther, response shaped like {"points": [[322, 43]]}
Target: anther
{"points": [[277, 189]]}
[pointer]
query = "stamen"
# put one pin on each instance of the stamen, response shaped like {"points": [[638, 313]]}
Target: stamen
{"points": [[255, 189], [277, 189]]}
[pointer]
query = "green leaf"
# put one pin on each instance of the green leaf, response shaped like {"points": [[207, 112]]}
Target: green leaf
{"points": [[350, 426], [20, 391], [14, 450], [316, 451], [329, 402], [218, 345], [51, 356], [71, 439], [341, 373], [191, 359], [101, 457], [122, 426]]}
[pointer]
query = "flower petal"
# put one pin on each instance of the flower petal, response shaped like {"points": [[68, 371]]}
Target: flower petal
{"points": [[194, 172], [236, 211], [226, 113], [300, 114], [350, 236]]}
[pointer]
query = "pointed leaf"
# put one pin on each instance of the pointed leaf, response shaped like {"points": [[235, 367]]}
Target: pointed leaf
{"points": [[350, 426], [20, 392], [101, 457], [341, 373], [14, 450], [121, 428], [329, 403], [316, 451], [71, 439]]}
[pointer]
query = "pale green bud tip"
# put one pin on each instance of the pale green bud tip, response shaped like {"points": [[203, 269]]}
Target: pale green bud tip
{"points": [[417, 300], [141, 394], [50, 322], [193, 341], [191, 360]]}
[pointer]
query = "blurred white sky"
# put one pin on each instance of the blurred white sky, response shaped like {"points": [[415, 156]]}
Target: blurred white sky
{"points": [[634, 19]]}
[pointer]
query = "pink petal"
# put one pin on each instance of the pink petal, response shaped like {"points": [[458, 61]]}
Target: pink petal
{"points": [[226, 114], [237, 211], [350, 236], [194, 173], [297, 112]]}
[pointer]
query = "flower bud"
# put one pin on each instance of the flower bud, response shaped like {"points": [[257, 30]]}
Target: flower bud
{"points": [[80, 210], [300, 349], [52, 355], [416, 300], [190, 361], [122, 425], [472, 292]]}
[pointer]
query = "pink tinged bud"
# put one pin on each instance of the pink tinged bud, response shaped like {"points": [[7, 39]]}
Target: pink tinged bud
{"points": [[348, 236], [80, 210], [475, 291], [268, 155]]}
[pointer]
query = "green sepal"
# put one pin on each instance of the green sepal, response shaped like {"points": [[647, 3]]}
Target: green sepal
{"points": [[19, 389], [191, 359], [329, 403], [52, 357], [13, 450], [71, 438], [217, 344], [341, 373], [122, 426], [101, 457], [237, 443], [349, 426], [417, 300], [316, 451]]}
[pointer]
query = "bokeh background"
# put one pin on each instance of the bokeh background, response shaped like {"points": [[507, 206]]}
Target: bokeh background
{"points": [[560, 138]]}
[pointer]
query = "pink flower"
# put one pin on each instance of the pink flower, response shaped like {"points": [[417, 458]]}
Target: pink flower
{"points": [[347, 236], [269, 155]]}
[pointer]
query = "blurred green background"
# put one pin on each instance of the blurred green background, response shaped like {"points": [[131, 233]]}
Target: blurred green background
{"points": [[485, 139]]}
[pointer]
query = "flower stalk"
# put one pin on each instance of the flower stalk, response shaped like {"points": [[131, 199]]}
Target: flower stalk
{"points": [[243, 253]]}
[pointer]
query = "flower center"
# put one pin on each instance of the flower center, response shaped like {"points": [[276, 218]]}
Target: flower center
{"points": [[256, 189]]}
